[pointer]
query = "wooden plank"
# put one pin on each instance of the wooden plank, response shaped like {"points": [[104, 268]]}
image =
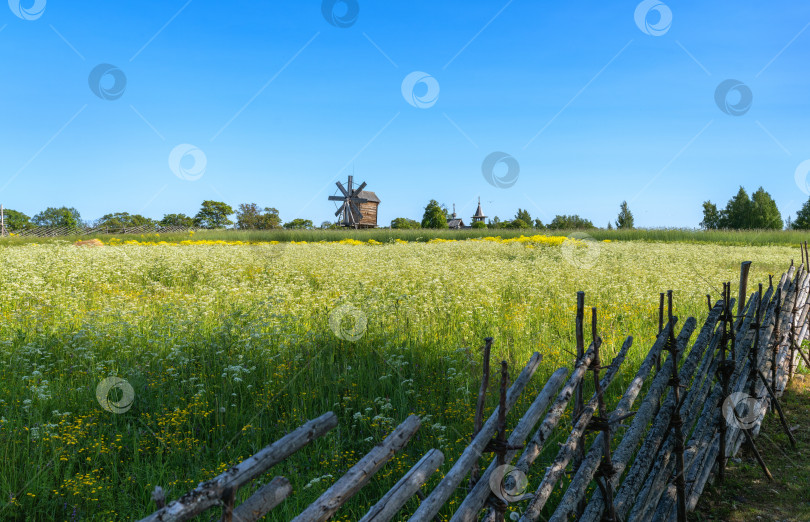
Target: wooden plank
{"points": [[388, 506], [359, 474], [208, 494], [265, 499]]}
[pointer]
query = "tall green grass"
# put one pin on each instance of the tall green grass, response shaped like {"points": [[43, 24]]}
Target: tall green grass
{"points": [[384, 235]]}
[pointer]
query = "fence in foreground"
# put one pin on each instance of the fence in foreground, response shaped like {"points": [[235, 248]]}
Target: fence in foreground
{"points": [[702, 402]]}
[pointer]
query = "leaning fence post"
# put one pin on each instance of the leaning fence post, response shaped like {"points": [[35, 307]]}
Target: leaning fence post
{"points": [[744, 269]]}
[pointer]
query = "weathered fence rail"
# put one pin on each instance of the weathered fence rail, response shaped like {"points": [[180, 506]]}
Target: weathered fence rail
{"points": [[84, 231], [702, 402]]}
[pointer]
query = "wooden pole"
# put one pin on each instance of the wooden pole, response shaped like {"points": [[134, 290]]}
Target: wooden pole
{"points": [[472, 504], [261, 502], [447, 487], [660, 327], [677, 424], [500, 439], [580, 352], [745, 267], [479, 408]]}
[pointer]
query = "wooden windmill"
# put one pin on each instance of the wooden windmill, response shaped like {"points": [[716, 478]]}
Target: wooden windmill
{"points": [[358, 208]]}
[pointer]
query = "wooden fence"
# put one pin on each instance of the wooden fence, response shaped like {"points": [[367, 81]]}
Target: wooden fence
{"points": [[83, 231], [701, 403]]}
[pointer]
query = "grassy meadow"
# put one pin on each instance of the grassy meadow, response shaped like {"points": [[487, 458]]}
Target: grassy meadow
{"points": [[227, 347]]}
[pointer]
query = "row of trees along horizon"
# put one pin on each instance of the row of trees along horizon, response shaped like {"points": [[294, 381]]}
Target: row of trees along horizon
{"points": [[741, 212]]}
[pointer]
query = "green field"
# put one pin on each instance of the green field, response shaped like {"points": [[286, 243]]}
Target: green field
{"points": [[384, 235], [227, 348]]}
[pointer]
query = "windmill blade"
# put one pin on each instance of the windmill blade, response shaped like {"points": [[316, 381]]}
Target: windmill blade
{"points": [[351, 179], [336, 198], [343, 206], [355, 208], [359, 189], [340, 186]]}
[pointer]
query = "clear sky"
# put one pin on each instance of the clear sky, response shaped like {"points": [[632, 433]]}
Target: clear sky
{"points": [[272, 102]]}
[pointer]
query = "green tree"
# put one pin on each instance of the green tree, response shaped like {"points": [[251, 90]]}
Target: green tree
{"points": [[625, 218], [271, 219], [404, 223], [176, 220], [299, 224], [16, 220], [562, 222], [123, 220], [802, 221], [213, 214], [711, 216], [539, 224], [517, 223], [610, 226], [479, 224], [524, 216], [738, 213], [248, 216], [435, 216], [765, 214], [58, 217]]}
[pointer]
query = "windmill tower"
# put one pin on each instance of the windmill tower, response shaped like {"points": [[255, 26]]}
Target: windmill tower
{"points": [[358, 207]]}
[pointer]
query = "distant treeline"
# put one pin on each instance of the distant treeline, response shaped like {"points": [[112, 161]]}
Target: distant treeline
{"points": [[740, 213]]}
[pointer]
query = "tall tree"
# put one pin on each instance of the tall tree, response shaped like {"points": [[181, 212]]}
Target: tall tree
{"points": [[213, 214], [435, 216], [765, 213], [299, 224], [625, 218], [248, 216], [404, 223], [58, 217], [177, 220], [738, 213], [561, 222], [802, 221], [711, 216], [538, 224], [122, 220], [524, 216], [15, 220]]}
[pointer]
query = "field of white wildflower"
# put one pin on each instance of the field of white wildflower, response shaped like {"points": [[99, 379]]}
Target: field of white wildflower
{"points": [[229, 346]]}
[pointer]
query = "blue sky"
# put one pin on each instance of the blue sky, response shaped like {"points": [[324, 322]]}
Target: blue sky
{"points": [[277, 103]]}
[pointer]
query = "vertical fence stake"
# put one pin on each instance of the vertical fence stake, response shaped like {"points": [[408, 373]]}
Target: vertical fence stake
{"points": [[479, 408], [578, 401], [745, 267], [500, 439], [660, 328]]}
